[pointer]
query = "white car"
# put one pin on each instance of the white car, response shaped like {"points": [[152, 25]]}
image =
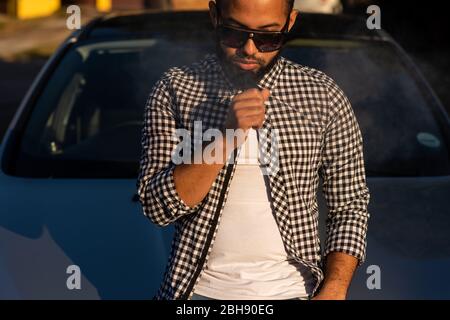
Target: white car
{"points": [[69, 161], [319, 6]]}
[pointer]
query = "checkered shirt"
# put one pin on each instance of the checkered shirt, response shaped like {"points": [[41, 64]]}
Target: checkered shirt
{"points": [[317, 135]]}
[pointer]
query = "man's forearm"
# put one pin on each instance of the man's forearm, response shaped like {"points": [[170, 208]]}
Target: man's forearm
{"points": [[339, 271], [193, 181], [247, 110]]}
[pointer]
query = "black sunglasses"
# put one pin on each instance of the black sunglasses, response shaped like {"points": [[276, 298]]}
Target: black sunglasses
{"points": [[265, 41]]}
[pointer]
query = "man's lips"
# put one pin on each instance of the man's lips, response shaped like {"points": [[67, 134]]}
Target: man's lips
{"points": [[247, 65]]}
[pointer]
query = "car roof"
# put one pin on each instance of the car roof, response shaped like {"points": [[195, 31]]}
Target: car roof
{"points": [[182, 23]]}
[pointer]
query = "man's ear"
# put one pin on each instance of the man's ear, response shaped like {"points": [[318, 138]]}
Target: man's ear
{"points": [[292, 18], [213, 13]]}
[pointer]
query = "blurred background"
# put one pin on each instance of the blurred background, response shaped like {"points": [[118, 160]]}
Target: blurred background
{"points": [[30, 30]]}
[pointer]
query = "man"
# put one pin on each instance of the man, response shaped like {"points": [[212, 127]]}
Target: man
{"points": [[246, 226]]}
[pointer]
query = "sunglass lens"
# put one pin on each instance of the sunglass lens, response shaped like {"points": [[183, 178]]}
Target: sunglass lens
{"points": [[268, 42], [237, 38], [232, 38]]}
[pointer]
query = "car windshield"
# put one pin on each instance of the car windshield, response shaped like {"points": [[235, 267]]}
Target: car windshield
{"points": [[87, 121]]}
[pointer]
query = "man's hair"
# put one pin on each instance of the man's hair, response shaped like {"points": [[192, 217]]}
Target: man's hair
{"points": [[289, 5]]}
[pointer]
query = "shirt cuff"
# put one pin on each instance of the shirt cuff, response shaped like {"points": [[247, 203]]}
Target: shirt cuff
{"points": [[163, 190]]}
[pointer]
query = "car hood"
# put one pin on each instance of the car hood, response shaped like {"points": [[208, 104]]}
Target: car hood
{"points": [[408, 241], [47, 225]]}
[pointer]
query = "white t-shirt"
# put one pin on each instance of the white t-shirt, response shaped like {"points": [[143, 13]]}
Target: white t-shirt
{"points": [[248, 259]]}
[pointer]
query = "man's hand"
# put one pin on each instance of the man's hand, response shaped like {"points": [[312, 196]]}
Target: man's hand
{"points": [[247, 110], [338, 275]]}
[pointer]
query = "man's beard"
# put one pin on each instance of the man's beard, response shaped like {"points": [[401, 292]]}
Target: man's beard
{"points": [[244, 79]]}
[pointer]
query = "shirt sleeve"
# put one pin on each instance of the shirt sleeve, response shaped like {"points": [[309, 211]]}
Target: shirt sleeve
{"points": [[156, 187], [344, 180]]}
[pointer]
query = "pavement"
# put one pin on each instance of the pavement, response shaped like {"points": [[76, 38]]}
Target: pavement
{"points": [[26, 39]]}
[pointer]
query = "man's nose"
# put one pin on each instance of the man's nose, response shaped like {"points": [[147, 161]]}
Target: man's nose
{"points": [[249, 48]]}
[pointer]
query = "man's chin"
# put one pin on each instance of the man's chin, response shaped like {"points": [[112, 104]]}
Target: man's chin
{"points": [[238, 71]]}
